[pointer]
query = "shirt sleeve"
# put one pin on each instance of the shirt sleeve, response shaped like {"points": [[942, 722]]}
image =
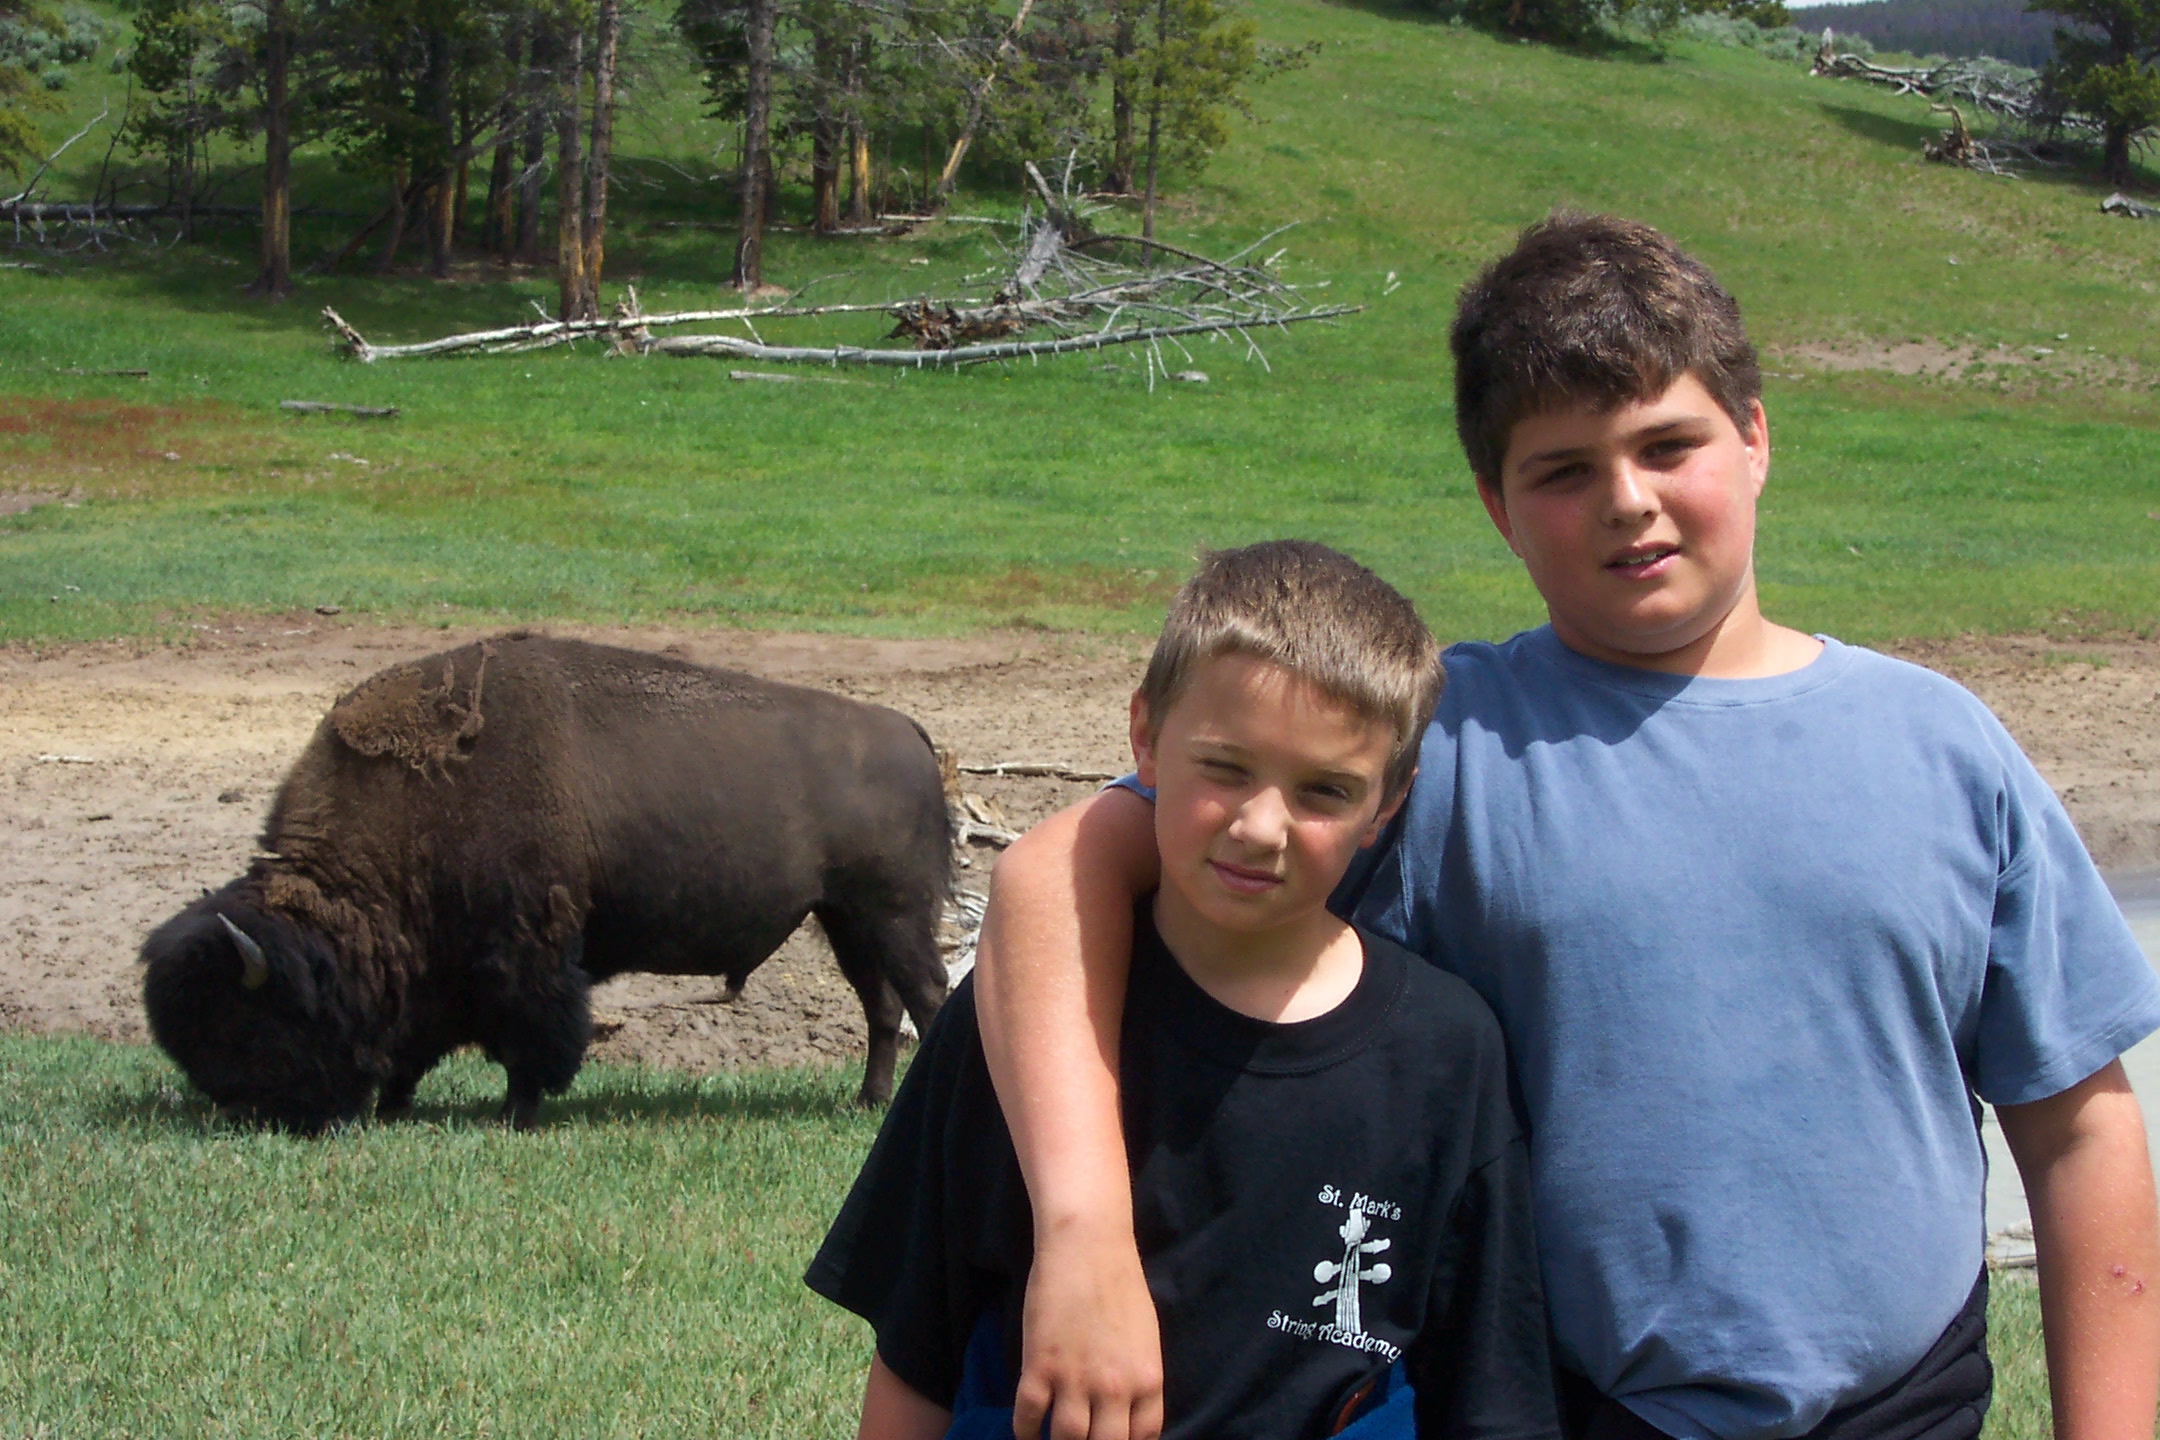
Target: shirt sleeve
{"points": [[2067, 988], [1481, 1366], [926, 1240]]}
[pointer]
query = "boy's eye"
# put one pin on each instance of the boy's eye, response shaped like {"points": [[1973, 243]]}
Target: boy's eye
{"points": [[1329, 793], [1223, 769]]}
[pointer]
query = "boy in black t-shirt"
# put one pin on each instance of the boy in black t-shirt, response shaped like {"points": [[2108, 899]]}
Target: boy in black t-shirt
{"points": [[1330, 1186]]}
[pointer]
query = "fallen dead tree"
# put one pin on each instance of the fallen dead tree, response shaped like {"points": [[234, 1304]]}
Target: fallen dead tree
{"points": [[1062, 289], [1959, 146], [1987, 85], [2120, 204]]}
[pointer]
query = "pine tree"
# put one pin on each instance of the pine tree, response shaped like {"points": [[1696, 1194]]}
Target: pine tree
{"points": [[2104, 67]]}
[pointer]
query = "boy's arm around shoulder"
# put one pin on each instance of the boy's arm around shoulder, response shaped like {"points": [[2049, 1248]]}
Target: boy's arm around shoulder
{"points": [[1482, 1364], [2083, 1158], [1051, 966]]}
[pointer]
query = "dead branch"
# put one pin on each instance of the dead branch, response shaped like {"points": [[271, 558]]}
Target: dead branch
{"points": [[511, 338], [1061, 289], [1989, 86], [325, 407], [24, 194], [2119, 204], [976, 96], [1038, 769], [728, 345]]}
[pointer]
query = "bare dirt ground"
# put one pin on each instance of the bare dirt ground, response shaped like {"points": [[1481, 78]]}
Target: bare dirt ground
{"points": [[134, 775]]}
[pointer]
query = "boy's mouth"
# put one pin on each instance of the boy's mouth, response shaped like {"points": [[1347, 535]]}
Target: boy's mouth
{"points": [[1242, 881], [1642, 560]]}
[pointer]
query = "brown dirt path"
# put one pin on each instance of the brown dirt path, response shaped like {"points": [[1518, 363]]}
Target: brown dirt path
{"points": [[132, 776]]}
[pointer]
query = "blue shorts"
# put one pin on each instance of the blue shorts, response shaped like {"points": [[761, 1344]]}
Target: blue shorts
{"points": [[983, 1409]]}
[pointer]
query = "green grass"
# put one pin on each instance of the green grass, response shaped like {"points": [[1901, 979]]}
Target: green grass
{"points": [[631, 1268], [566, 485]]}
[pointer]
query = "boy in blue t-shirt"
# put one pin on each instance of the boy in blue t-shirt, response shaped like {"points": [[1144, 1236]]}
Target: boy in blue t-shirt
{"points": [[1764, 918]]}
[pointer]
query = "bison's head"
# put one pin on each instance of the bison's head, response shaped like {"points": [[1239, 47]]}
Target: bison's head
{"points": [[246, 1002]]}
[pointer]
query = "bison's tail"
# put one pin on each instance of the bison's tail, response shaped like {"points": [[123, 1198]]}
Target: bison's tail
{"points": [[948, 768]]}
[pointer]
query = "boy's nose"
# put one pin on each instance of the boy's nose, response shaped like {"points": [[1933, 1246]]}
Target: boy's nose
{"points": [[1629, 497], [1262, 821]]}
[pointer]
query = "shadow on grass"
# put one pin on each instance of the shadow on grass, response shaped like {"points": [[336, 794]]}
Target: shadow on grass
{"points": [[1906, 135], [614, 1097]]}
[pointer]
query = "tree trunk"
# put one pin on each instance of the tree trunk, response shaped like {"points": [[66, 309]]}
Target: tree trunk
{"points": [[603, 147], [397, 220], [2115, 153], [497, 229], [1119, 180], [1154, 115], [858, 173], [464, 168], [444, 200], [528, 242], [824, 176], [570, 183], [275, 282], [757, 155], [827, 84]]}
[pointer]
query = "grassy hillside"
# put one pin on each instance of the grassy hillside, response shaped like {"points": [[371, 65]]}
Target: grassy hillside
{"points": [[2012, 498]]}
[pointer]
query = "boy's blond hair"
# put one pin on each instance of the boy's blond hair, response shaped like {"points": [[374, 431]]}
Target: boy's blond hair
{"points": [[1591, 310], [1319, 615]]}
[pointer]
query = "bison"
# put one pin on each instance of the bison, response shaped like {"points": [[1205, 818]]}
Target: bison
{"points": [[471, 840]]}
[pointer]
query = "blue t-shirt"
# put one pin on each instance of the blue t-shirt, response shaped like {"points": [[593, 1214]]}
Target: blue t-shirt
{"points": [[1755, 945]]}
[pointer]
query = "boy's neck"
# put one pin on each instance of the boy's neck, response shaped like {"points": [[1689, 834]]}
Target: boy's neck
{"points": [[1741, 645], [1290, 972]]}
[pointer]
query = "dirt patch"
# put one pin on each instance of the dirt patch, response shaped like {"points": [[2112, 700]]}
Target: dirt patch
{"points": [[133, 775], [21, 502], [2030, 368]]}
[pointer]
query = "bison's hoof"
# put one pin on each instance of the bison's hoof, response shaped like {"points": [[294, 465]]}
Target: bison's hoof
{"points": [[521, 1114]]}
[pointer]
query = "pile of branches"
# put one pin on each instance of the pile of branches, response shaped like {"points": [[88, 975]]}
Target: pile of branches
{"points": [[1061, 288], [1990, 87], [1985, 85], [1959, 146]]}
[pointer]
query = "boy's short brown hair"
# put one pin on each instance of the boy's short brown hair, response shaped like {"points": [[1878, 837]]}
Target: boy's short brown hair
{"points": [[1319, 615], [1590, 310]]}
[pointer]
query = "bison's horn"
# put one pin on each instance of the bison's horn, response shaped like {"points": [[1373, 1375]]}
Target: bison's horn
{"points": [[254, 966]]}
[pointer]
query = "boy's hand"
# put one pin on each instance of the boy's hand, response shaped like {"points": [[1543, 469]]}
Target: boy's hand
{"points": [[2090, 1182], [1091, 1358]]}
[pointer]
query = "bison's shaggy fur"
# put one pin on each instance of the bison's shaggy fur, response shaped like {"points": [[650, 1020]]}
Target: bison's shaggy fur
{"points": [[470, 841]]}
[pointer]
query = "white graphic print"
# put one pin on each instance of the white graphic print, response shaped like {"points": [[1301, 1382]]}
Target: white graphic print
{"points": [[1351, 1273]]}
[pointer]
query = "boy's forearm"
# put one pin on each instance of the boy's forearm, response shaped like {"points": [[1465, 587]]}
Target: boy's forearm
{"points": [[1051, 964], [2089, 1180]]}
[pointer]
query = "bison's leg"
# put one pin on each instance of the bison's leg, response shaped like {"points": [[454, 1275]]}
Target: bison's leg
{"points": [[539, 1032], [891, 958]]}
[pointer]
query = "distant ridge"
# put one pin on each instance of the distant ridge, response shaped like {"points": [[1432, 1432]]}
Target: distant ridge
{"points": [[2004, 29]]}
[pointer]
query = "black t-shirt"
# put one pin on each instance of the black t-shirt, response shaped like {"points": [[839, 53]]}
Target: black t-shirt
{"points": [[1312, 1201]]}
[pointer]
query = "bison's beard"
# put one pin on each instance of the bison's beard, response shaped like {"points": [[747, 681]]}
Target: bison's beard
{"points": [[282, 1050]]}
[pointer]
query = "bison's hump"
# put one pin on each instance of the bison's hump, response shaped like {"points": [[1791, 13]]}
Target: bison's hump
{"points": [[422, 713]]}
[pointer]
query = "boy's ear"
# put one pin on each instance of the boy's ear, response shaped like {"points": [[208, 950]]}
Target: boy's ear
{"points": [[1488, 492], [1387, 813], [1756, 437], [1143, 744]]}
